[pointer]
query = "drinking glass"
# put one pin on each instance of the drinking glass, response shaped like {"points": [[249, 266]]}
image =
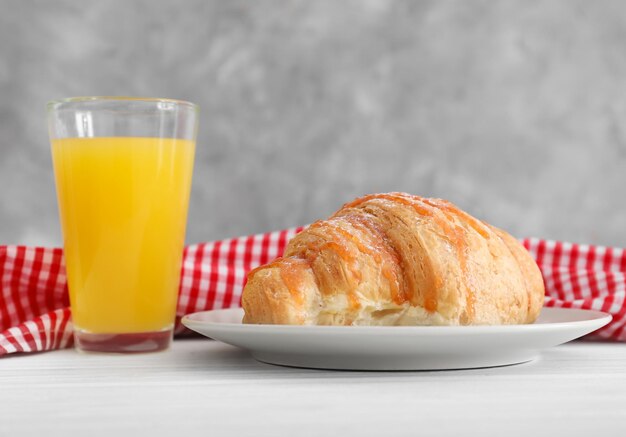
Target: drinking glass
{"points": [[123, 169]]}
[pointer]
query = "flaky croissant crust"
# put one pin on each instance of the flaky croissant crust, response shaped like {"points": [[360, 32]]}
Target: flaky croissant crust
{"points": [[397, 259]]}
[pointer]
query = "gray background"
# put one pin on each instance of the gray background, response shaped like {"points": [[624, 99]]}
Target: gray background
{"points": [[514, 110]]}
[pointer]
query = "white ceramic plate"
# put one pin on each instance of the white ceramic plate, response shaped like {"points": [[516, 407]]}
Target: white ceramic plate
{"points": [[397, 347]]}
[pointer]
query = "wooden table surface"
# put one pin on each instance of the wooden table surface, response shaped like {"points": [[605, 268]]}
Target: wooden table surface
{"points": [[206, 388]]}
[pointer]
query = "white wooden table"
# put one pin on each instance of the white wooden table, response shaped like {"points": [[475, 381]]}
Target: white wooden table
{"points": [[206, 388]]}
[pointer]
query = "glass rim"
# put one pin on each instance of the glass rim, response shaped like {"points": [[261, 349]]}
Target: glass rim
{"points": [[81, 99]]}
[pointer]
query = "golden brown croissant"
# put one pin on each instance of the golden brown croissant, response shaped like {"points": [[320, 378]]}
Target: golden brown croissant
{"points": [[397, 259]]}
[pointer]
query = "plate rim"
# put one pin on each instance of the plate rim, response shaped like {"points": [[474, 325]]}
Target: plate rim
{"points": [[596, 317]]}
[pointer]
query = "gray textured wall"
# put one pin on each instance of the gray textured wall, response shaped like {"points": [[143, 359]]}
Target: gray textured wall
{"points": [[515, 110]]}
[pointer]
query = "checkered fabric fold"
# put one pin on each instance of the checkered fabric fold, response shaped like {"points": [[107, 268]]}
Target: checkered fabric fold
{"points": [[34, 303]]}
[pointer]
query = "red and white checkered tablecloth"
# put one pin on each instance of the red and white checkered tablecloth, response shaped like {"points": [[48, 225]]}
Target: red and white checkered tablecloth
{"points": [[34, 303]]}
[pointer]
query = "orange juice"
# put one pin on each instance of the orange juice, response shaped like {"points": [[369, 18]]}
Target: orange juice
{"points": [[123, 206]]}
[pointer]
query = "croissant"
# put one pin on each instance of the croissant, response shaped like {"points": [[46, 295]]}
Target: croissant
{"points": [[397, 259]]}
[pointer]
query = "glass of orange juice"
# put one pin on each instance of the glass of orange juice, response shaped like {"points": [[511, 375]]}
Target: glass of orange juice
{"points": [[123, 170]]}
